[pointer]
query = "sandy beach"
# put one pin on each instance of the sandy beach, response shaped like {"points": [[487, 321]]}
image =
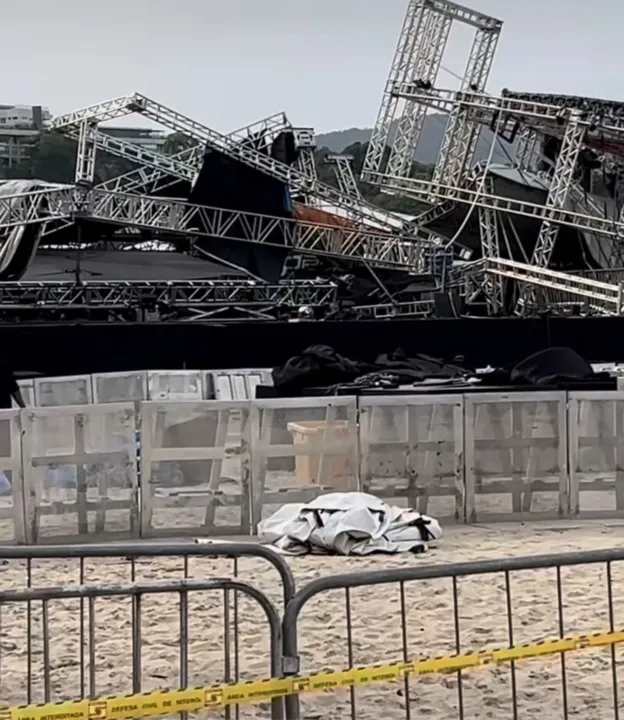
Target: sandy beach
{"points": [[376, 628]]}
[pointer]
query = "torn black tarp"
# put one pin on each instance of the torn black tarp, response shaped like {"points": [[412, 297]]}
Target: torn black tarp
{"points": [[321, 370], [320, 367]]}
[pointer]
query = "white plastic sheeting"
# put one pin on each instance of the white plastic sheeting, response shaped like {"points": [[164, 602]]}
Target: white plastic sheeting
{"points": [[348, 524]]}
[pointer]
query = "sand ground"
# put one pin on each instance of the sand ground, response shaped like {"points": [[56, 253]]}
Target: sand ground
{"points": [[376, 629]]}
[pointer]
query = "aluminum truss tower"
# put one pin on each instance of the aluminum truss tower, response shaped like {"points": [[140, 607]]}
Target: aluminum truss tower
{"points": [[343, 169], [417, 60]]}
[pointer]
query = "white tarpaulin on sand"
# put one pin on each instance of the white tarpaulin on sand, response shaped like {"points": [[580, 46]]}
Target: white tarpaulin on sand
{"points": [[348, 524]]}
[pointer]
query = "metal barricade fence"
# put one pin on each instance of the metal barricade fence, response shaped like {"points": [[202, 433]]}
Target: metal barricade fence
{"points": [[59, 671], [240, 643], [522, 605]]}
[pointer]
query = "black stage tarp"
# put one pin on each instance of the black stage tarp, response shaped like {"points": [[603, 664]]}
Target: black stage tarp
{"points": [[121, 265], [65, 349]]}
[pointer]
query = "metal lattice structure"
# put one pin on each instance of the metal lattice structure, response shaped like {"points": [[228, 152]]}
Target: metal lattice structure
{"points": [[344, 174], [354, 231], [576, 124], [191, 299]]}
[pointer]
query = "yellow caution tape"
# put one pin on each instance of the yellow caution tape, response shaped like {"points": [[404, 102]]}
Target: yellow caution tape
{"points": [[169, 702]]}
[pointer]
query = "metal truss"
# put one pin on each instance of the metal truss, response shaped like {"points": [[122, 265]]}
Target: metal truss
{"points": [[343, 169], [243, 152], [375, 248], [386, 311], [419, 51], [354, 243], [85, 159], [613, 111], [411, 32], [514, 113], [37, 206], [461, 133], [603, 297], [167, 165], [562, 180], [421, 189], [424, 73], [179, 294], [305, 144], [526, 148], [157, 172], [490, 249], [109, 110]]}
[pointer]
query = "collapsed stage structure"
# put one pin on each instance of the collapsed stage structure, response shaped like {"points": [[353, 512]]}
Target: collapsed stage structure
{"points": [[544, 231]]}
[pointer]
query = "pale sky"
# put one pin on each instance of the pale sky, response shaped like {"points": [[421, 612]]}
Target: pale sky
{"points": [[230, 62]]}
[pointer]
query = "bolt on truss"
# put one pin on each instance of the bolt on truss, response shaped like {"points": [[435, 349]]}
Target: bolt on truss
{"points": [[343, 169], [192, 294]]}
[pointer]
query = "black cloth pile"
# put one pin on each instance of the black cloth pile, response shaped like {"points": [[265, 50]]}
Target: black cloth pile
{"points": [[321, 367], [321, 370]]}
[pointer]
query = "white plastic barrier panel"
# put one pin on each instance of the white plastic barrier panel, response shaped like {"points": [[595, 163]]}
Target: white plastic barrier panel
{"points": [[302, 448], [411, 452], [119, 387], [516, 456], [80, 472], [175, 385], [235, 384], [63, 391], [12, 495], [195, 468]]}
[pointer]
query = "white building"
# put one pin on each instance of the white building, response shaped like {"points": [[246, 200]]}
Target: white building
{"points": [[26, 117]]}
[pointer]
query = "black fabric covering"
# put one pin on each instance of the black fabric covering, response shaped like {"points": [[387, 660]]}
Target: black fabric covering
{"points": [[552, 366], [320, 368], [226, 183]]}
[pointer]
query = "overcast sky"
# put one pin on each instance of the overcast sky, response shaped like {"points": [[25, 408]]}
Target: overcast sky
{"points": [[230, 62]]}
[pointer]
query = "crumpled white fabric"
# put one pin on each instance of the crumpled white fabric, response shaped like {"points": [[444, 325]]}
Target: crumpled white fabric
{"points": [[348, 524]]}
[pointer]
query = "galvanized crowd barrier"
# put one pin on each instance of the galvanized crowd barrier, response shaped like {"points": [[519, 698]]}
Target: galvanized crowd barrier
{"points": [[198, 467], [402, 660], [401, 657], [32, 604]]}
